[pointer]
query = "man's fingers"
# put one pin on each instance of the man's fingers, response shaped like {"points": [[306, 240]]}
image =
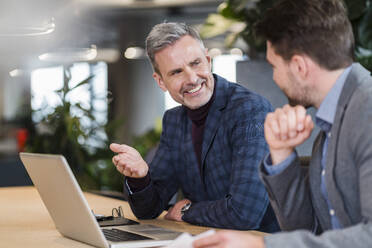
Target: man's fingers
{"points": [[128, 161], [119, 148], [168, 215], [123, 169], [115, 147], [309, 124], [305, 133], [283, 123], [291, 120], [273, 125], [121, 165], [300, 117]]}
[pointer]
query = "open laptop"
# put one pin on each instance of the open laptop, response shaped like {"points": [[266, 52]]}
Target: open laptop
{"points": [[71, 214]]}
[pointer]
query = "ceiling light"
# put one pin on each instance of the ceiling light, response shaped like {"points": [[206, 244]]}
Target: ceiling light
{"points": [[20, 30], [134, 53], [70, 55], [110, 55], [16, 73], [214, 52], [236, 51]]}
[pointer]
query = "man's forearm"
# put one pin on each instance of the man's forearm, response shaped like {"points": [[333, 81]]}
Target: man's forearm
{"points": [[226, 213], [145, 204]]}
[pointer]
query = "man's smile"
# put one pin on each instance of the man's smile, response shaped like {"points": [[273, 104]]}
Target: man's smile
{"points": [[195, 89]]}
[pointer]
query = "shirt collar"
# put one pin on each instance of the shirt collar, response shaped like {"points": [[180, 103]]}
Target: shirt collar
{"points": [[327, 110]]}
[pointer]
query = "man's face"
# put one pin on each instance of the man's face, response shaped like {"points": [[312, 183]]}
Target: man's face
{"points": [[297, 92], [185, 71]]}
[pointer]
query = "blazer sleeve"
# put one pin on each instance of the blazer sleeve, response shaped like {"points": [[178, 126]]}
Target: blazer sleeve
{"points": [[246, 201], [289, 193], [289, 196], [358, 132], [357, 236], [150, 202]]}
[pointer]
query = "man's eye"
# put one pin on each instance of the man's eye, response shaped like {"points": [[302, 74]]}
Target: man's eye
{"points": [[175, 72], [195, 63]]}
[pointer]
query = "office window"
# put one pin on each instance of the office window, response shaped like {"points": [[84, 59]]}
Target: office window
{"points": [[225, 66], [45, 81]]}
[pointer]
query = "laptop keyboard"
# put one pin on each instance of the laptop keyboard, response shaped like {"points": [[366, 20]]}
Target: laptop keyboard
{"points": [[116, 235]]}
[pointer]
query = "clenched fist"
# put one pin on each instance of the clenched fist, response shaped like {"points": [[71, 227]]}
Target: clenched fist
{"points": [[285, 129], [128, 161]]}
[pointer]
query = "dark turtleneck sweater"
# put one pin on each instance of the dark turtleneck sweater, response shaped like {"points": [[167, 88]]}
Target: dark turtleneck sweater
{"points": [[198, 118]]}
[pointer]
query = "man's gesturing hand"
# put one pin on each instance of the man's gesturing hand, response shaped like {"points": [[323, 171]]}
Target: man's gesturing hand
{"points": [[285, 129], [128, 161]]}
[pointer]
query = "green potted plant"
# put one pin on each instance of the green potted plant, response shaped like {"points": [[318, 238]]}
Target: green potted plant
{"points": [[69, 130]]}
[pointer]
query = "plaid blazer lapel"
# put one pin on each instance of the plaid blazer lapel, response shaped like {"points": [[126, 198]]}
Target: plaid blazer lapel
{"points": [[214, 116]]}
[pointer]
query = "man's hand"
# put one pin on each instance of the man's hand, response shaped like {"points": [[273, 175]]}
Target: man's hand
{"points": [[285, 129], [174, 213], [128, 161], [228, 239]]}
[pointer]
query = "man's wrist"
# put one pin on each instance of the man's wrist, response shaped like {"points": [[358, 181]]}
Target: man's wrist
{"points": [[278, 156], [185, 208], [138, 184]]}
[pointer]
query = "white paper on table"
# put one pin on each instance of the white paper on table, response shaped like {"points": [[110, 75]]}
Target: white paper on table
{"points": [[185, 239]]}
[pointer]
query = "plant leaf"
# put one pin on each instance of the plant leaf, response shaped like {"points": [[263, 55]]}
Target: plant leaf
{"points": [[225, 9], [230, 39], [85, 81], [215, 25]]}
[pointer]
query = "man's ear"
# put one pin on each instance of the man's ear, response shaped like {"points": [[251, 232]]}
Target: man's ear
{"points": [[299, 66], [209, 59], [159, 81]]}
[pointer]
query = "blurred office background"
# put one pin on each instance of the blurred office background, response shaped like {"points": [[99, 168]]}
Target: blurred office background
{"points": [[74, 78], [46, 45]]}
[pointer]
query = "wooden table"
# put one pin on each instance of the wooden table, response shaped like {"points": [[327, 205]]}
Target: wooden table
{"points": [[25, 221]]}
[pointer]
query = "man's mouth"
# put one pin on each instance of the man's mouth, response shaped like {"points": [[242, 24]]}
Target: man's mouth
{"points": [[195, 89]]}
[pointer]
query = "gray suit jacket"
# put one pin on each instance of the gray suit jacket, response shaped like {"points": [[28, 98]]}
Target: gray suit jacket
{"points": [[295, 193]]}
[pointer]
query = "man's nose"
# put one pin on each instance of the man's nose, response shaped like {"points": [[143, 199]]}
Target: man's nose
{"points": [[191, 75]]}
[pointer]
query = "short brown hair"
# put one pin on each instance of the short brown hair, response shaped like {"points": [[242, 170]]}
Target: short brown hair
{"points": [[318, 28]]}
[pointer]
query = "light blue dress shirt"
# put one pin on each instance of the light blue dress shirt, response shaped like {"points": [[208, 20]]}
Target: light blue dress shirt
{"points": [[324, 119]]}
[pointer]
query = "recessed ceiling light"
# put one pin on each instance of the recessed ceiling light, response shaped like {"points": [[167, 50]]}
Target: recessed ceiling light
{"points": [[134, 53], [16, 73], [214, 52], [70, 55], [25, 30], [236, 51]]}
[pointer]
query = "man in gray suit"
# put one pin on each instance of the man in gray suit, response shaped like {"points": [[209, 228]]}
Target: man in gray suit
{"points": [[310, 45]]}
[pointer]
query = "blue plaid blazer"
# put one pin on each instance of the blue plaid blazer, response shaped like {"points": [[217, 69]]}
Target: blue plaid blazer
{"points": [[228, 192]]}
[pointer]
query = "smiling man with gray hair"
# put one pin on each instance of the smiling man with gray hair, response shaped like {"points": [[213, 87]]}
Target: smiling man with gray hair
{"points": [[210, 147]]}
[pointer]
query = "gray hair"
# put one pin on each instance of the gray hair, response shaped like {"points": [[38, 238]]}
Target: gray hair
{"points": [[166, 34]]}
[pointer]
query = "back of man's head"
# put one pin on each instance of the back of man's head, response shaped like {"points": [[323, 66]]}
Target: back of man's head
{"points": [[319, 29], [166, 34]]}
